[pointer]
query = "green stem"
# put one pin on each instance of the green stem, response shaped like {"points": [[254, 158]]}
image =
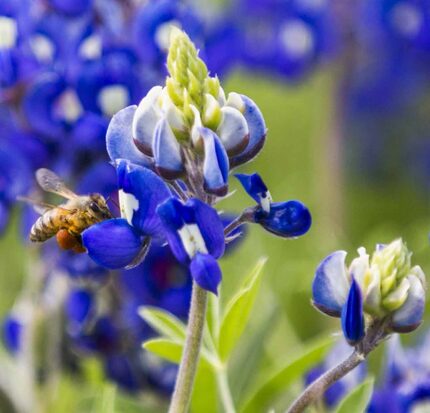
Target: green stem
{"points": [[187, 369], [224, 391]]}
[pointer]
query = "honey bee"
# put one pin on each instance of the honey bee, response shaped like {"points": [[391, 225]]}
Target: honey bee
{"points": [[68, 220]]}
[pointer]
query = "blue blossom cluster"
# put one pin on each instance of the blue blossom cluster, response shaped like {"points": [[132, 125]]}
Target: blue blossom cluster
{"points": [[173, 154]]}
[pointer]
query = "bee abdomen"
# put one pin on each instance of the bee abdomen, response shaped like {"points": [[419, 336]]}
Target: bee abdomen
{"points": [[44, 228]]}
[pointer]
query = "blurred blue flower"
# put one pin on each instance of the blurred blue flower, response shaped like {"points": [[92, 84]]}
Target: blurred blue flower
{"points": [[405, 386]]}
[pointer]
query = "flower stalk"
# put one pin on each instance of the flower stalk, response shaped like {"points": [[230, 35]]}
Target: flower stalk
{"points": [[190, 357], [375, 334]]}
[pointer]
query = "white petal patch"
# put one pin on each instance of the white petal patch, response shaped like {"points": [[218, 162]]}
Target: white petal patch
{"points": [[407, 19], [192, 240], [163, 32], [265, 202], [112, 99], [42, 47], [68, 106], [91, 48], [8, 32], [128, 204], [297, 39]]}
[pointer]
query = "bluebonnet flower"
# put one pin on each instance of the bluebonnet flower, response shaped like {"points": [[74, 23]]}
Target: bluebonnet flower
{"points": [[173, 154], [284, 219], [285, 38], [405, 386], [341, 388], [384, 287]]}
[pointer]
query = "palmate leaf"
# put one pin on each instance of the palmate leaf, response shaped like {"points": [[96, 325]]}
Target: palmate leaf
{"points": [[278, 382], [165, 323], [357, 400], [238, 311]]}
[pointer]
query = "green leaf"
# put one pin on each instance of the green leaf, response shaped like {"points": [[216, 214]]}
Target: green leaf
{"points": [[357, 400], [165, 348], [278, 382], [163, 322], [171, 350], [205, 395], [238, 311]]}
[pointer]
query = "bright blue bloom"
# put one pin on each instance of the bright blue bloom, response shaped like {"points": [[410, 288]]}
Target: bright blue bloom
{"points": [[195, 234], [116, 242], [341, 388], [352, 317], [12, 334], [284, 219]]}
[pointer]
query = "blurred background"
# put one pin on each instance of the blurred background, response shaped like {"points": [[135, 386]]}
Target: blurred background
{"points": [[343, 89]]}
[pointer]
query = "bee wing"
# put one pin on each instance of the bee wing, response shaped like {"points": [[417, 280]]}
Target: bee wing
{"points": [[141, 254], [39, 207], [50, 182]]}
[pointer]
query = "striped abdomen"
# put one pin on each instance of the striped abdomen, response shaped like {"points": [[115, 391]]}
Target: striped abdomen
{"points": [[48, 225]]}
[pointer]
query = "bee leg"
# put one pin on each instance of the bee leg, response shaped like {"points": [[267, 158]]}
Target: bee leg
{"points": [[65, 240], [79, 248]]}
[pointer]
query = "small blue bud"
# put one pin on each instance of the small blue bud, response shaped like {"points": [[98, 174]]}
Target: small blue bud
{"points": [[352, 315], [286, 219]]}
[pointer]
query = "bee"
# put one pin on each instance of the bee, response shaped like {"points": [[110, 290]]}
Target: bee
{"points": [[68, 220]]}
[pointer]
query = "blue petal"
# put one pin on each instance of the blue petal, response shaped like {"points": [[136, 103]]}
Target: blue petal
{"points": [[410, 315], [254, 186], [167, 151], [147, 191], [215, 165], [71, 7], [206, 272], [12, 334], [119, 139], [352, 315], [175, 215], [89, 132], [330, 286], [79, 306], [257, 132], [113, 243], [285, 219], [210, 225]]}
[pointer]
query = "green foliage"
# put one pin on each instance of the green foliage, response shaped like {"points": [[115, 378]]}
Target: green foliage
{"points": [[163, 322], [278, 382], [238, 311], [358, 399]]}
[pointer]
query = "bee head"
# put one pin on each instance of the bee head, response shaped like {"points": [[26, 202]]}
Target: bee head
{"points": [[98, 208]]}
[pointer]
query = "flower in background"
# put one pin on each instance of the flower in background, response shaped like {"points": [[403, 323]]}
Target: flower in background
{"points": [[285, 38], [384, 287], [405, 386]]}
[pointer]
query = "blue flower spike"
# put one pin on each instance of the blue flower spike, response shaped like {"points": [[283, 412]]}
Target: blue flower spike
{"points": [[196, 236], [352, 315], [383, 286], [285, 219]]}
